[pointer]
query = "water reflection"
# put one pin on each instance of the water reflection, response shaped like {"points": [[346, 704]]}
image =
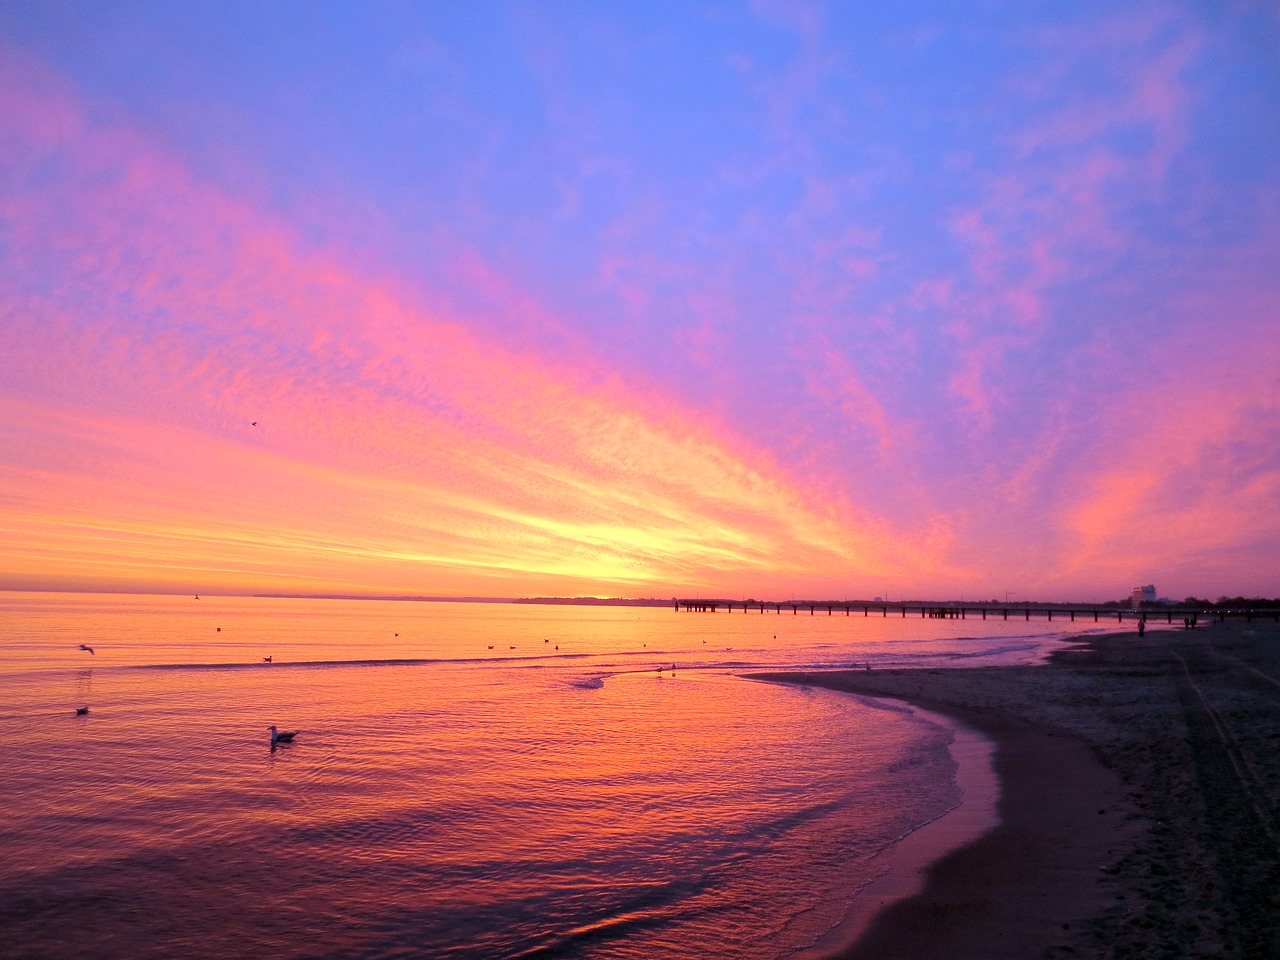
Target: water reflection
{"points": [[441, 791]]}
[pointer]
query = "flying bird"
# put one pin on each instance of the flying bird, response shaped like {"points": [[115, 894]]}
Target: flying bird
{"points": [[254, 424], [85, 646], [286, 737]]}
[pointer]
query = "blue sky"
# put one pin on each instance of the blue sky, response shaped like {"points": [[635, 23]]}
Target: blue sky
{"points": [[846, 297]]}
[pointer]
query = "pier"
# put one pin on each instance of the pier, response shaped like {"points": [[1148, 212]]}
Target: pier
{"points": [[951, 610]]}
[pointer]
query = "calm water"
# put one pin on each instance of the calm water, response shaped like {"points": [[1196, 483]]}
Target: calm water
{"points": [[469, 780]]}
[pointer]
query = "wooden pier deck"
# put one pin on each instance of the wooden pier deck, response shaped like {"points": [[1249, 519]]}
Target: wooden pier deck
{"points": [[1095, 613]]}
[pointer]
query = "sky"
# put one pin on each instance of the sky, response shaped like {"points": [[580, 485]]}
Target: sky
{"points": [[761, 300]]}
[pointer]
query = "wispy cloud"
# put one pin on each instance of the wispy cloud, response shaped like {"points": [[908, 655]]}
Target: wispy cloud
{"points": [[840, 297], [159, 320]]}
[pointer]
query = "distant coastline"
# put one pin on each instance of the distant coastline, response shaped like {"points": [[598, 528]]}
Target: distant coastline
{"points": [[599, 601], [366, 596], [1233, 607], [574, 601]]}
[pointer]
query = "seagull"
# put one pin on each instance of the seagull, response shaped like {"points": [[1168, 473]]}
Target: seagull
{"points": [[81, 711], [85, 646], [254, 424], [266, 659], [286, 737]]}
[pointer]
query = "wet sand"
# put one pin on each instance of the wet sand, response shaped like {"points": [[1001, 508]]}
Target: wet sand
{"points": [[1139, 802]]}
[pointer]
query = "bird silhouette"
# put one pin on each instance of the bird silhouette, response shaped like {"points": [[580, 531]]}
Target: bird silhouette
{"points": [[254, 424], [266, 659], [281, 737], [81, 711], [85, 646]]}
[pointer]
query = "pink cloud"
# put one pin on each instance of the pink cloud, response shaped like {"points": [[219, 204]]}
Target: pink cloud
{"points": [[1049, 210], [1186, 476], [161, 317], [1150, 88]]}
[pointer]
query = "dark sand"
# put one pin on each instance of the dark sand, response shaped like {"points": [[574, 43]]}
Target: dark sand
{"points": [[1139, 802]]}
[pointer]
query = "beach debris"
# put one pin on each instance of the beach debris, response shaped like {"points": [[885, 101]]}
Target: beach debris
{"points": [[85, 646], [281, 736], [81, 711]]}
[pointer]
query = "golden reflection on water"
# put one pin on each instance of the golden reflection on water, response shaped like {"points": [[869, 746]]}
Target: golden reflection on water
{"points": [[593, 801]]}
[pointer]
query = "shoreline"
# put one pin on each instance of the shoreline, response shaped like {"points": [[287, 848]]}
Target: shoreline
{"points": [[909, 860], [1138, 788]]}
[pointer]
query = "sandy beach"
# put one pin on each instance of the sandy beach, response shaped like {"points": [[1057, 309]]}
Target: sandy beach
{"points": [[1139, 802]]}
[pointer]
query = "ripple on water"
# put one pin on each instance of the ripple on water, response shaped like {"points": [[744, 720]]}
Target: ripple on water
{"points": [[484, 809]]}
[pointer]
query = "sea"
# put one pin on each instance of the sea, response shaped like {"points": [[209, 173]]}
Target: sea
{"points": [[467, 780]]}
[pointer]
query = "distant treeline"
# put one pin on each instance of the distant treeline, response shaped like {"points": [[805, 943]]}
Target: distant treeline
{"points": [[1234, 603]]}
